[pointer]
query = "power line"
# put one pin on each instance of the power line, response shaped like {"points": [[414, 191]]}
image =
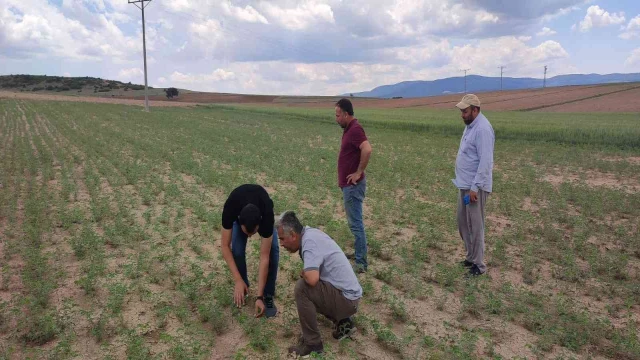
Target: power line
{"points": [[144, 50], [465, 79], [544, 82], [501, 71]]}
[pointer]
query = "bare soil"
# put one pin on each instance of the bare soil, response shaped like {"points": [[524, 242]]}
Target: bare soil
{"points": [[594, 178], [627, 101], [585, 98]]}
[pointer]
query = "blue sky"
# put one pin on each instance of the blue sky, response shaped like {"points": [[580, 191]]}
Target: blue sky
{"points": [[323, 47]]}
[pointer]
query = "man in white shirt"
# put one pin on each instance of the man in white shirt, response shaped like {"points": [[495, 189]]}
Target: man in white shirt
{"points": [[474, 180]]}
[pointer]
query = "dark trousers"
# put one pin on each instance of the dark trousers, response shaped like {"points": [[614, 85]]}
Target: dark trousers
{"points": [[239, 251], [325, 299]]}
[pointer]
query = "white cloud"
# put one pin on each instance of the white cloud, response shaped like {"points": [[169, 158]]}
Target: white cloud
{"points": [[634, 58], [598, 17], [304, 15], [546, 32], [282, 46], [218, 75], [632, 30], [131, 74], [32, 28], [248, 13]]}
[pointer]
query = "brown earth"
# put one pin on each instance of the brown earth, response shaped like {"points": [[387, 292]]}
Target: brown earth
{"points": [[594, 178], [586, 98], [627, 101]]}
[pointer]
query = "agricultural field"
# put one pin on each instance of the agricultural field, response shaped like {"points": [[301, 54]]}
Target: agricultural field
{"points": [[110, 220], [603, 98]]}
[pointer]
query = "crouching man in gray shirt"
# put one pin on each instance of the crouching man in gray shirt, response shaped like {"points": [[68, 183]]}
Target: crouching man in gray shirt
{"points": [[327, 283]]}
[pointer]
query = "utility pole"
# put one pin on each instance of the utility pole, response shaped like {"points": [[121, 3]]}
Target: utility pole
{"points": [[501, 71], [465, 79], [144, 50], [544, 82]]}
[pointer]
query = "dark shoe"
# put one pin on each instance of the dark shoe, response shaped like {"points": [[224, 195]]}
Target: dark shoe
{"points": [[475, 271], [359, 269], [304, 350], [270, 309], [344, 329], [466, 263]]}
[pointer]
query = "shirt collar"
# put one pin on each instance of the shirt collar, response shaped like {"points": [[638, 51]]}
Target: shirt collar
{"points": [[350, 124], [301, 235]]}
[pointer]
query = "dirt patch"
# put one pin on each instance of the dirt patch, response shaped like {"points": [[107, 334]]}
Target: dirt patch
{"points": [[625, 101], [633, 160], [498, 224], [528, 205], [594, 178], [227, 344]]}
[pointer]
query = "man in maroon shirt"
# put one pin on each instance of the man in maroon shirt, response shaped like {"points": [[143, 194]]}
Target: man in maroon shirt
{"points": [[355, 152]]}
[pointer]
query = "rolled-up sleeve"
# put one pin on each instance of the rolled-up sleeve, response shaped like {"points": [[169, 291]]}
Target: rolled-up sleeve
{"points": [[484, 146], [310, 257]]}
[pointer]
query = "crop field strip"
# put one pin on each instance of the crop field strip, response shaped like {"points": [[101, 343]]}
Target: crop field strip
{"points": [[110, 221]]}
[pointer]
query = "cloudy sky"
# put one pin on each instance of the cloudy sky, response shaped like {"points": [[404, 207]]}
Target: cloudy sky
{"points": [[322, 47]]}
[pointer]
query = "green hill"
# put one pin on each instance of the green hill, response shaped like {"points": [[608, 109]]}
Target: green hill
{"points": [[44, 83]]}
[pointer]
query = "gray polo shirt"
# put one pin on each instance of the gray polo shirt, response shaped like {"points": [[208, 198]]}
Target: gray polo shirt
{"points": [[320, 252]]}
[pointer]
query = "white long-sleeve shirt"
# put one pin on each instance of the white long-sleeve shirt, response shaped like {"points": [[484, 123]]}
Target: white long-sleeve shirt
{"points": [[474, 163]]}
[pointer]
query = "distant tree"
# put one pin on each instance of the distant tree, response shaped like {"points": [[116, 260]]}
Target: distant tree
{"points": [[171, 92], [351, 95]]}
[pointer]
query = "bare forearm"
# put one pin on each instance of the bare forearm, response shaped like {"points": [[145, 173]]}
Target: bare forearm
{"points": [[311, 277], [364, 160]]}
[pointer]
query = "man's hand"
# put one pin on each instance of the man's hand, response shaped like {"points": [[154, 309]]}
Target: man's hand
{"points": [[473, 196], [239, 292], [259, 308], [354, 178]]}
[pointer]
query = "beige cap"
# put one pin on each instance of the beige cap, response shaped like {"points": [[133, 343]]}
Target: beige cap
{"points": [[467, 101]]}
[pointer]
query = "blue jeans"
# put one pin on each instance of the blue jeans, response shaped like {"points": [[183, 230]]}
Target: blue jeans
{"points": [[353, 196], [238, 249]]}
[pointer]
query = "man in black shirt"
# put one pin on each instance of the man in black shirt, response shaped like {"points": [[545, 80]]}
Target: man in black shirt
{"points": [[248, 210]]}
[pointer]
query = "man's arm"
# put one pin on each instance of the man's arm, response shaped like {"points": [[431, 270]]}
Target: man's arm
{"points": [[225, 246], [311, 277], [311, 264], [365, 154], [484, 146], [241, 287]]}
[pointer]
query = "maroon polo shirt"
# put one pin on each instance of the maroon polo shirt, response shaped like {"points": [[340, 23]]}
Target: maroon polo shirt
{"points": [[349, 158]]}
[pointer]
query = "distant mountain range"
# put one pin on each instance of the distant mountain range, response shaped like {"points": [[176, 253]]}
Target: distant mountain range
{"points": [[475, 83]]}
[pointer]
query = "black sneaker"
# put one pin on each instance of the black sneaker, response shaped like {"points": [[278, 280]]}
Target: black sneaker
{"points": [[466, 263], [270, 309], [305, 350], [344, 329], [475, 271]]}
